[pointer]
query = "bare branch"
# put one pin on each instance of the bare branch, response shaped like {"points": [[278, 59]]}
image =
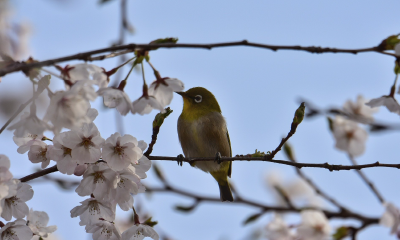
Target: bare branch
{"points": [[367, 181], [87, 56]]}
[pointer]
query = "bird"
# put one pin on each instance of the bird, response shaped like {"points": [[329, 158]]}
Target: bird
{"points": [[203, 132]]}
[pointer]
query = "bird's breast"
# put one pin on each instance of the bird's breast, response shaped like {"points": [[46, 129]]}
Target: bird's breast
{"points": [[204, 137]]}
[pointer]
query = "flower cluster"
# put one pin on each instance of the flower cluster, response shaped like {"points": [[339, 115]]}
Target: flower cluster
{"points": [[111, 168], [13, 196], [349, 135], [108, 182]]}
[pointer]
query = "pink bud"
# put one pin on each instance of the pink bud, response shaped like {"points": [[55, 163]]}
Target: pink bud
{"points": [[80, 170]]}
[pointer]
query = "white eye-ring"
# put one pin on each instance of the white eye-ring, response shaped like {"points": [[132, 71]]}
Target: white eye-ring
{"points": [[198, 98]]}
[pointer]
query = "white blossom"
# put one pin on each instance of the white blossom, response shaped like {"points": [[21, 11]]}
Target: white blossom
{"points": [[143, 165], [37, 221], [16, 230], [15, 206], [358, 110], [397, 49], [129, 183], [5, 174], [389, 102], [67, 109], [104, 230], [98, 180], [119, 151], [29, 124], [277, 229], [139, 232], [92, 210], [85, 71], [163, 89], [14, 37], [38, 154], [349, 136], [391, 217], [314, 226], [84, 143], [115, 98], [85, 89], [26, 142], [62, 155], [7, 190], [144, 105]]}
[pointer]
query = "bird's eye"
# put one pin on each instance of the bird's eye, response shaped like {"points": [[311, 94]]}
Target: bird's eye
{"points": [[198, 98]]}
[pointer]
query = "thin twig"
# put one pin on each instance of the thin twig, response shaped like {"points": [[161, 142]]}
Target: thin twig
{"points": [[39, 174], [20, 109], [318, 190], [266, 208], [367, 181], [330, 167], [86, 56]]}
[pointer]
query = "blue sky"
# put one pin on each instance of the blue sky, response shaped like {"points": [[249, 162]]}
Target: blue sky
{"points": [[258, 91]]}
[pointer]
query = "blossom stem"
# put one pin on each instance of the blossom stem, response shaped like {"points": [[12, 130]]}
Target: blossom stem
{"points": [[144, 79], [393, 88]]}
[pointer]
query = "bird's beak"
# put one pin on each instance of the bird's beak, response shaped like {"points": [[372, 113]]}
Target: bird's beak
{"points": [[183, 94]]}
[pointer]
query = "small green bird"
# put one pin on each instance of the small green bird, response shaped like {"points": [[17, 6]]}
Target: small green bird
{"points": [[202, 132]]}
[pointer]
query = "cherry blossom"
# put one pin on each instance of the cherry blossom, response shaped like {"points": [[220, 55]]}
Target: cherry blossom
{"points": [[85, 71], [349, 136], [15, 206], [67, 109], [38, 154], [277, 229], [104, 230], [139, 232], [26, 142], [314, 226], [8, 189], [62, 155], [119, 151], [92, 210], [391, 217], [29, 124], [389, 102], [16, 230], [5, 174], [37, 222], [164, 88], [115, 98], [143, 165], [358, 110], [84, 143], [146, 103], [397, 49], [129, 183], [98, 180]]}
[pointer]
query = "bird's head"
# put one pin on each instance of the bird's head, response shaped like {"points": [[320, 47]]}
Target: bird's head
{"points": [[198, 102]]}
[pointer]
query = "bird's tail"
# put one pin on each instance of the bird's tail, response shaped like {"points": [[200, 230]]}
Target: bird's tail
{"points": [[225, 191]]}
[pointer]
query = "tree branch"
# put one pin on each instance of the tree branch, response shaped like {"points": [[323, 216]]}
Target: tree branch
{"points": [[367, 181], [87, 56], [342, 214], [39, 174]]}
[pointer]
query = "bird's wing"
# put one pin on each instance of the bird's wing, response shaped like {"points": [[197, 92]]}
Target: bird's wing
{"points": [[230, 150]]}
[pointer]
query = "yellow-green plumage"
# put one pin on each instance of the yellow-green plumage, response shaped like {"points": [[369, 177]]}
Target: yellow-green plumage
{"points": [[202, 133]]}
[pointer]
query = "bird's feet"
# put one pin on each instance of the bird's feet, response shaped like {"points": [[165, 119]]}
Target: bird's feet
{"points": [[180, 159], [218, 158]]}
